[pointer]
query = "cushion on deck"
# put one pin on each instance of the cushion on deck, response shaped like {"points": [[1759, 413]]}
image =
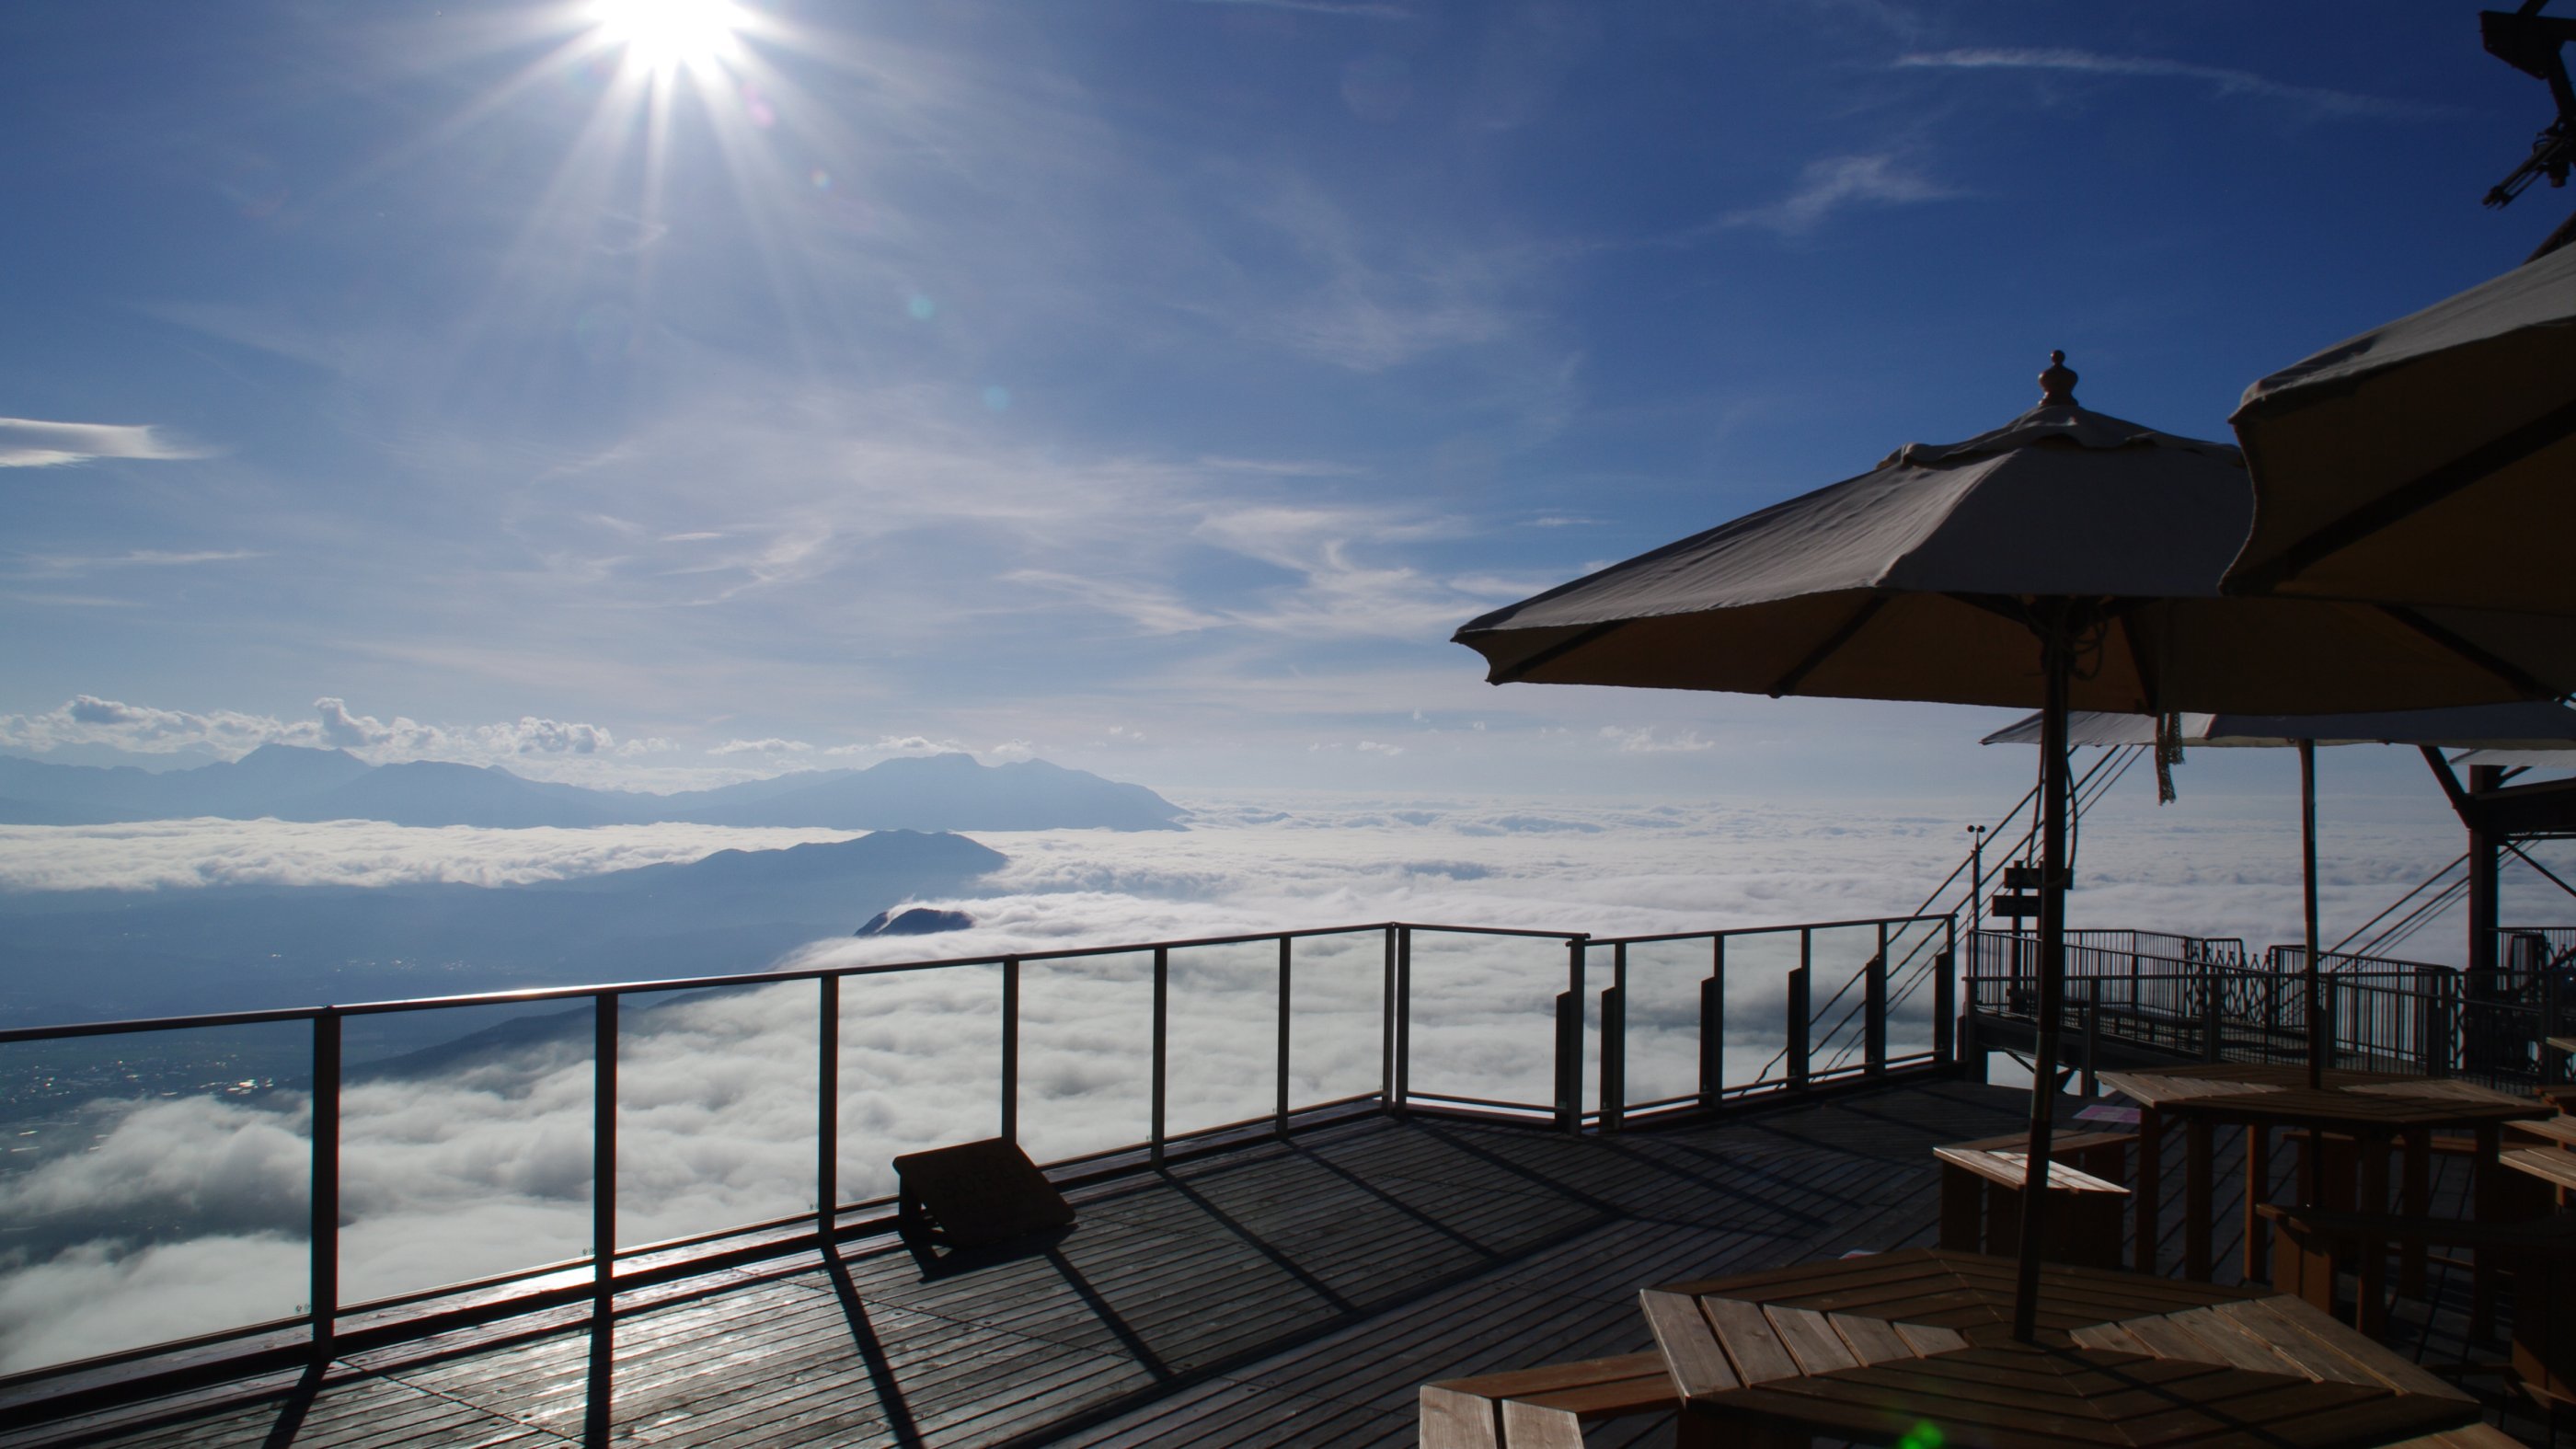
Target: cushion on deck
{"points": [[976, 1194]]}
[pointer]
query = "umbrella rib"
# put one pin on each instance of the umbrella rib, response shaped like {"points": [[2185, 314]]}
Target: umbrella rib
{"points": [[1514, 673], [1789, 682], [2404, 502], [2502, 669]]}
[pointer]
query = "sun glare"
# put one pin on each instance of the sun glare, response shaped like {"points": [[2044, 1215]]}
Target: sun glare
{"points": [[663, 35]]}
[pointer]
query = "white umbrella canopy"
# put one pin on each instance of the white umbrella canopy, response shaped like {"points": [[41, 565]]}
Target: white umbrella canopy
{"points": [[2065, 558], [1916, 580], [2428, 461]]}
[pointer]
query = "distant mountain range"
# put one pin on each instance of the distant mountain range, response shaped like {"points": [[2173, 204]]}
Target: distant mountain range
{"points": [[88, 955], [935, 792]]}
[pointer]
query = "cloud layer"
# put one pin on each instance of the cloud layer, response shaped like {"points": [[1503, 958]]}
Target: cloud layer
{"points": [[483, 1167]]}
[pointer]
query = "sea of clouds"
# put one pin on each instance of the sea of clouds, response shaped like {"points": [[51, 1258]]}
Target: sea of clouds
{"points": [[150, 1218]]}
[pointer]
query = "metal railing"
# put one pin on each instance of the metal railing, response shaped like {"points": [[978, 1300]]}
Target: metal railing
{"points": [[1854, 1044], [609, 1266], [2204, 999]]}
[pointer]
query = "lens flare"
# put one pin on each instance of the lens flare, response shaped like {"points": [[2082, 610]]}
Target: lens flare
{"points": [[663, 35]]}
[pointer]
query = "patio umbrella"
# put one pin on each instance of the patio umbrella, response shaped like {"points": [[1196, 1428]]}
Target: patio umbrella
{"points": [[2533, 726], [2428, 461], [2065, 559]]}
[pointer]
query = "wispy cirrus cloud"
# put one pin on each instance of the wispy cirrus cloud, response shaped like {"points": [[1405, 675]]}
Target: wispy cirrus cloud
{"points": [[1151, 609], [35, 443], [73, 565], [1840, 183], [2320, 99]]}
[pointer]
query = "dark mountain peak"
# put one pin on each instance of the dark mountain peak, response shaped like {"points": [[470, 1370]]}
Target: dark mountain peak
{"points": [[288, 766], [814, 862], [274, 752], [918, 921]]}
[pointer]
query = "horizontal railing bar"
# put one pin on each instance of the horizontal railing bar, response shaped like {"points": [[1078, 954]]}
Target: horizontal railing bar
{"points": [[1759, 930], [294, 1336], [1486, 931], [538, 994], [1543, 1108], [160, 1023]]}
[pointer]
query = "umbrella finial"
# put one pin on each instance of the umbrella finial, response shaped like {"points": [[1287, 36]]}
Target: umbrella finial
{"points": [[2057, 385]]}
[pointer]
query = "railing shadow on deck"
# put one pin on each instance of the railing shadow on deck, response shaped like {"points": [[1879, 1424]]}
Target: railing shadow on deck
{"points": [[1875, 967]]}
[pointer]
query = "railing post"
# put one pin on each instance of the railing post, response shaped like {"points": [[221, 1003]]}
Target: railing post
{"points": [[1386, 1029], [1279, 1114], [323, 1243], [827, 1112], [2092, 1037], [1874, 1009], [603, 1150], [1712, 1025], [1614, 1042], [2549, 1058], [1162, 1042], [1569, 1041], [1945, 1005], [1011, 1049], [2209, 1013], [1403, 1016], [2326, 1028], [1797, 1024]]}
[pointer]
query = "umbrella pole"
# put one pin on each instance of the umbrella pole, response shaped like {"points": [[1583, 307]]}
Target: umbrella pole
{"points": [[2318, 1044], [2057, 660]]}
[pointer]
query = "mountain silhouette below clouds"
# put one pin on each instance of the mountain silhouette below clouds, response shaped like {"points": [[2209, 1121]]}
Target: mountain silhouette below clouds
{"points": [[287, 782], [99, 955]]}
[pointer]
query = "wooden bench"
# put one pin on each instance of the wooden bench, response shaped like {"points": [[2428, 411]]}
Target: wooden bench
{"points": [[2540, 1252], [1548, 1407], [1981, 1196], [2553, 1165], [2559, 1130]]}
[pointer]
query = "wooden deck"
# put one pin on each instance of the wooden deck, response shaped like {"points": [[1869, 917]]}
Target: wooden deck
{"points": [[1290, 1293]]}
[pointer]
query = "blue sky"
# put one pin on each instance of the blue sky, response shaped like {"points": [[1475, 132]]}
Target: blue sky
{"points": [[1150, 385]]}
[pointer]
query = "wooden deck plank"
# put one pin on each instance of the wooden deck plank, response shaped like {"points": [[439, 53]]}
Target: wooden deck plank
{"points": [[1284, 1294]]}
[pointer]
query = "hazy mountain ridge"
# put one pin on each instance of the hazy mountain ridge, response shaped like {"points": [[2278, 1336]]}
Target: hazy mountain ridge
{"points": [[287, 782], [90, 955]]}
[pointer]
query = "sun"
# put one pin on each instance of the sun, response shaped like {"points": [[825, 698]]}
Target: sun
{"points": [[663, 35]]}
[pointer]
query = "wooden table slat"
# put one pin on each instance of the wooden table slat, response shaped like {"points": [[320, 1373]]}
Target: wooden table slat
{"points": [[2109, 1338], [2315, 1359], [1927, 1339], [1690, 1347], [2233, 1343], [1749, 1342], [1810, 1339], [1871, 1340], [2396, 1372]]}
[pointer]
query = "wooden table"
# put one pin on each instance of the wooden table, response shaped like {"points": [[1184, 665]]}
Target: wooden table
{"points": [[1882, 1349], [2376, 1109]]}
